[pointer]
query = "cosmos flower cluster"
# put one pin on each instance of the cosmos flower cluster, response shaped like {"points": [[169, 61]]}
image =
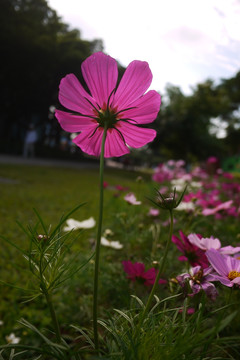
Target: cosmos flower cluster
{"points": [[210, 263]]}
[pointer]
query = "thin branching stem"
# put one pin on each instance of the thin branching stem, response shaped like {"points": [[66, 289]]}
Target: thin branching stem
{"points": [[52, 312], [98, 242]]}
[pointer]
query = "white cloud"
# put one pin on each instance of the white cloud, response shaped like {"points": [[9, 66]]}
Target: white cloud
{"points": [[185, 41]]}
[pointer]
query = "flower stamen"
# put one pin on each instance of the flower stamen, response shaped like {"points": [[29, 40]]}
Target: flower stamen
{"points": [[233, 274], [197, 277]]}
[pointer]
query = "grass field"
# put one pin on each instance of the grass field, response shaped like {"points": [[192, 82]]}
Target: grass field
{"points": [[54, 192]]}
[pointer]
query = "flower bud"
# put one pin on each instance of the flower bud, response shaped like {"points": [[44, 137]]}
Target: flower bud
{"points": [[42, 237]]}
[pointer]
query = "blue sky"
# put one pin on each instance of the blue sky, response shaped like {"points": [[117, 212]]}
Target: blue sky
{"points": [[184, 41]]}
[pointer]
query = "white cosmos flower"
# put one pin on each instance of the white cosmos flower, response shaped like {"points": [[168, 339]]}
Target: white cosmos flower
{"points": [[189, 206], [113, 244], [196, 184], [179, 184], [12, 339], [74, 224]]}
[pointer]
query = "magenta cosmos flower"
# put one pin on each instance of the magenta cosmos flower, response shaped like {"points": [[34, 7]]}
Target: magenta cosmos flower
{"points": [[136, 271], [191, 253], [121, 109]]}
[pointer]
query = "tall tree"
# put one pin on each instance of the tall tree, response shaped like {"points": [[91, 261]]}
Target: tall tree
{"points": [[37, 49]]}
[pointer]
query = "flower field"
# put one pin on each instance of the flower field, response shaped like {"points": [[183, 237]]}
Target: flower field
{"points": [[196, 296]]}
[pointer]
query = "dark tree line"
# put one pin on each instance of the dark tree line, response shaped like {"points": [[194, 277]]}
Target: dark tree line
{"points": [[38, 49]]}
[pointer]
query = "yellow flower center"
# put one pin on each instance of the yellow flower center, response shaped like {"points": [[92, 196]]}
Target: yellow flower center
{"points": [[233, 274], [197, 277]]}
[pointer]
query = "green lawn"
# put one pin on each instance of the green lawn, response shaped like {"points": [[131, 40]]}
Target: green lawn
{"points": [[54, 192]]}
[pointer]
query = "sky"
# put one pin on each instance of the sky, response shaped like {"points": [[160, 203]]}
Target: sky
{"points": [[185, 42]]}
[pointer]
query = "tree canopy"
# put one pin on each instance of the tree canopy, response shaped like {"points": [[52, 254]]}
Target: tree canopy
{"points": [[185, 122], [37, 50]]}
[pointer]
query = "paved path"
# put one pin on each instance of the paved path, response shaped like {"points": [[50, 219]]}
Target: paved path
{"points": [[20, 160]]}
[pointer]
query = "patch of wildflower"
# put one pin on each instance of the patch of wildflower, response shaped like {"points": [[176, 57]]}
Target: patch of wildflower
{"points": [[212, 192]]}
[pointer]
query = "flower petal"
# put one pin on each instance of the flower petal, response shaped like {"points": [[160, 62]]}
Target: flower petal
{"points": [[223, 279], [134, 83], [74, 123], [73, 96], [145, 109], [218, 262], [100, 73], [114, 145], [204, 243], [228, 250], [236, 280], [133, 269], [233, 263], [90, 142], [134, 135]]}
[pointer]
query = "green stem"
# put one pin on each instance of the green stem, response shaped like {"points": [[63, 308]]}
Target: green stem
{"points": [[52, 312], [98, 242], [160, 270]]}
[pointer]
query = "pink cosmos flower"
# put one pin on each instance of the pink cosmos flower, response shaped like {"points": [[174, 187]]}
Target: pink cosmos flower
{"points": [[199, 279], [131, 199], [120, 108], [170, 170], [227, 268], [204, 243], [223, 206], [153, 212], [191, 252], [137, 271], [212, 243]]}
